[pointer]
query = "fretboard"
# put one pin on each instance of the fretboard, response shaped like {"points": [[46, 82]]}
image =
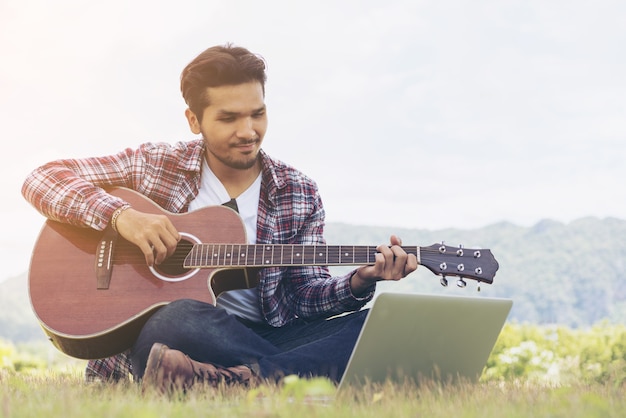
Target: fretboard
{"points": [[274, 255]]}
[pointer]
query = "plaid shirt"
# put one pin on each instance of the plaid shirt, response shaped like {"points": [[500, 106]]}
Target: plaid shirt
{"points": [[290, 212]]}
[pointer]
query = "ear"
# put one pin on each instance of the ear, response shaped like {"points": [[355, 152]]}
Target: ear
{"points": [[194, 124]]}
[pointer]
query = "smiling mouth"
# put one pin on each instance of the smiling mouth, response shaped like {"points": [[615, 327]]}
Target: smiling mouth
{"points": [[246, 144]]}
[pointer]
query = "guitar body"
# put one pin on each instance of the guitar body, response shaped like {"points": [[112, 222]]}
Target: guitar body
{"points": [[88, 322]]}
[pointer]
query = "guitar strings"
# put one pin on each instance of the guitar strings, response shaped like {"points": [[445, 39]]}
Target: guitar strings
{"points": [[130, 253]]}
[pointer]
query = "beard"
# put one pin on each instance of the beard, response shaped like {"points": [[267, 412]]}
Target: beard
{"points": [[237, 163], [240, 162]]}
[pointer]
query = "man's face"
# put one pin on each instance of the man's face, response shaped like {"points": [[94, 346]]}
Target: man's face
{"points": [[233, 125]]}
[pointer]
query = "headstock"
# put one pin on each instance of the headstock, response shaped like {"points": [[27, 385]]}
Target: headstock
{"points": [[464, 263]]}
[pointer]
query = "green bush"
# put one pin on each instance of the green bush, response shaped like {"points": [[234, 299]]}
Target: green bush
{"points": [[32, 358], [559, 355]]}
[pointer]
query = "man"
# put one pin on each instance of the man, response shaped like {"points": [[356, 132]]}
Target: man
{"points": [[280, 327]]}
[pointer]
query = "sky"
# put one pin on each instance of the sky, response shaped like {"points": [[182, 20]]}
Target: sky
{"points": [[411, 114]]}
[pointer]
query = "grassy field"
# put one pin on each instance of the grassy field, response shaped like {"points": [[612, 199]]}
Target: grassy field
{"points": [[533, 371], [68, 395]]}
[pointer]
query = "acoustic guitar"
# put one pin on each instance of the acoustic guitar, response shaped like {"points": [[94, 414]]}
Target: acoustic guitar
{"points": [[92, 291]]}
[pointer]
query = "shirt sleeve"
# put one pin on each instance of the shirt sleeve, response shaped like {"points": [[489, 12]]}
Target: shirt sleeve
{"points": [[316, 292], [308, 292], [72, 190]]}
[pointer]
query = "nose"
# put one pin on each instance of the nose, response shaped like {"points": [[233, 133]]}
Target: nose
{"points": [[246, 130]]}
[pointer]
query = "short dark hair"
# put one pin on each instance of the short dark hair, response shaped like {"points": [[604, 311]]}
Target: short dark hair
{"points": [[219, 66]]}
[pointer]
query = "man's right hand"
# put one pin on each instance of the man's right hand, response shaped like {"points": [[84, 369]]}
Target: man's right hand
{"points": [[155, 235]]}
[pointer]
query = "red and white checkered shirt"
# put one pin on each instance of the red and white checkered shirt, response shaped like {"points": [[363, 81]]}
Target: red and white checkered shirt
{"points": [[290, 212]]}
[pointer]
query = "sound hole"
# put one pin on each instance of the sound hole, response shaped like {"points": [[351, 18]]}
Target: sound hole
{"points": [[173, 265]]}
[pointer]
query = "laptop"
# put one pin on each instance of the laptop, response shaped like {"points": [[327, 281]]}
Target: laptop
{"points": [[420, 336]]}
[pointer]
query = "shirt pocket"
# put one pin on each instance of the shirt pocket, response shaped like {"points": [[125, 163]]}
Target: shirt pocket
{"points": [[285, 236]]}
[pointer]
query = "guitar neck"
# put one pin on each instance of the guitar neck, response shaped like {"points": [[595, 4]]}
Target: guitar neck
{"points": [[276, 255], [443, 260]]}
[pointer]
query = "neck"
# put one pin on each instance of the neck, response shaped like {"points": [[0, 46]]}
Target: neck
{"points": [[235, 180]]}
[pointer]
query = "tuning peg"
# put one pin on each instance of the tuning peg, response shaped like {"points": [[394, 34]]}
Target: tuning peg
{"points": [[459, 252], [461, 283], [443, 281], [478, 288]]}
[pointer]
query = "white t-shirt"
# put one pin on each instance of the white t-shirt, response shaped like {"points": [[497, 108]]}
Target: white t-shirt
{"points": [[241, 302]]}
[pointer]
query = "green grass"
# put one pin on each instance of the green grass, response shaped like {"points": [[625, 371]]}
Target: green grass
{"points": [[533, 371], [68, 395]]}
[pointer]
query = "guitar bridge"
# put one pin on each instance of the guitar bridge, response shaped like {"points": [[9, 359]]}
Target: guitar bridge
{"points": [[104, 259]]}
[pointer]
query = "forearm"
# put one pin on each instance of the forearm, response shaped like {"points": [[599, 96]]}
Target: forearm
{"points": [[71, 191], [318, 294], [360, 286]]}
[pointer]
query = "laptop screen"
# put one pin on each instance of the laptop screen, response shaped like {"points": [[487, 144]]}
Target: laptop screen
{"points": [[420, 336]]}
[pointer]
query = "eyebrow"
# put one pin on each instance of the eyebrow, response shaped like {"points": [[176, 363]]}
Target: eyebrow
{"points": [[223, 112]]}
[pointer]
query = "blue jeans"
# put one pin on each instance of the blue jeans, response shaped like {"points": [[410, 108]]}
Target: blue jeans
{"points": [[210, 335]]}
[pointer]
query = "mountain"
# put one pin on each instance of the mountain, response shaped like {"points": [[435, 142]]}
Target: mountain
{"points": [[555, 273], [568, 274]]}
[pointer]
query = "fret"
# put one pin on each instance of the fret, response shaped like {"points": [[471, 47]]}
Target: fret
{"points": [[361, 254], [215, 251], [346, 254], [298, 257], [202, 254], [250, 255], [255, 262], [333, 255], [231, 254], [268, 259], [198, 251], [349, 254], [316, 254], [371, 251], [274, 258], [241, 259], [287, 255], [308, 255], [320, 254], [191, 256], [204, 250], [237, 255]]}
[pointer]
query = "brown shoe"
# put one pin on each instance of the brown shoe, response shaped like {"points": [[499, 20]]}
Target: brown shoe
{"points": [[169, 369]]}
